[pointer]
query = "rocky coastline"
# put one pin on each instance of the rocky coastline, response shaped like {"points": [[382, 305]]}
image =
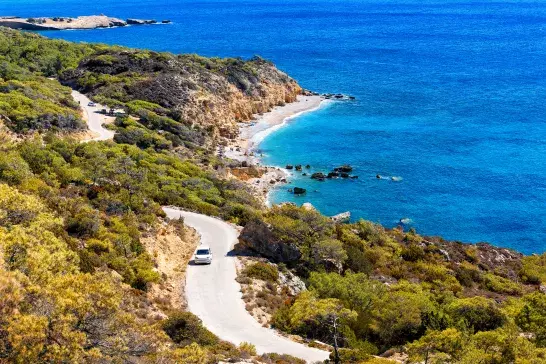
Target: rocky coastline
{"points": [[70, 23], [244, 147]]}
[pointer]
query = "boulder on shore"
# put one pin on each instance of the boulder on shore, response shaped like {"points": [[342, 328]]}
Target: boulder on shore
{"points": [[341, 218]]}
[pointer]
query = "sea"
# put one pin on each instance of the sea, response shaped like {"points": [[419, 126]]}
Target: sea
{"points": [[450, 100]]}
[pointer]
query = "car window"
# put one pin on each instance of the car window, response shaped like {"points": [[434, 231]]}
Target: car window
{"points": [[202, 252]]}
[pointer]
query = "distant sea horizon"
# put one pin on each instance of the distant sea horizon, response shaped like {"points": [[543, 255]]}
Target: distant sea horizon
{"points": [[450, 99]]}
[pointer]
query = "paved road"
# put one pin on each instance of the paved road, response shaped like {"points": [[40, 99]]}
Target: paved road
{"points": [[94, 119], [211, 290], [214, 295]]}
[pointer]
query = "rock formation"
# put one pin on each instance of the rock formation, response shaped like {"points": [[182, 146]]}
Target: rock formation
{"points": [[258, 238]]}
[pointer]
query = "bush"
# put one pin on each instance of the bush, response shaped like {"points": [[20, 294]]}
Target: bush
{"points": [[274, 358], [478, 313], [264, 271], [501, 285], [84, 224], [468, 274], [247, 348], [413, 253], [350, 355], [185, 328]]}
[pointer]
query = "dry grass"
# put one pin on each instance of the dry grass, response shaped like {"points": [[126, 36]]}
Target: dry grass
{"points": [[262, 298]]}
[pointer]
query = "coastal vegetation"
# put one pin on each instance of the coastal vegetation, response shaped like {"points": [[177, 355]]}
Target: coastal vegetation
{"points": [[75, 274], [435, 300]]}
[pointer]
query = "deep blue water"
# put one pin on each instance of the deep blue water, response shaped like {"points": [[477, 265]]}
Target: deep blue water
{"points": [[450, 97]]}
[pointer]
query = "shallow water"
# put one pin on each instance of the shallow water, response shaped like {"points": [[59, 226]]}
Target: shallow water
{"points": [[450, 97]]}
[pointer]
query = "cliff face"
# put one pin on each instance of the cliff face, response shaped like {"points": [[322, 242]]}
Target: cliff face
{"points": [[212, 94]]}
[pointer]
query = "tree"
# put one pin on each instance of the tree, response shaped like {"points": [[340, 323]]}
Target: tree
{"points": [[478, 313], [398, 315], [437, 346], [312, 317], [329, 250], [532, 317]]}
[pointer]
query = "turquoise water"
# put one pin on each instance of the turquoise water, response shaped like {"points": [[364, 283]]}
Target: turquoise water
{"points": [[450, 97]]}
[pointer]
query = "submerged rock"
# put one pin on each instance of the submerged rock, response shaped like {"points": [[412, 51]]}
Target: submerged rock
{"points": [[299, 191], [298, 167], [289, 166]]}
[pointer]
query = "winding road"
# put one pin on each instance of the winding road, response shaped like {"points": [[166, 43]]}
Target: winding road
{"points": [[211, 290], [93, 118], [214, 295]]}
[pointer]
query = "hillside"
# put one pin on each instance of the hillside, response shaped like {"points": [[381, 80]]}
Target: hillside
{"points": [[186, 98]]}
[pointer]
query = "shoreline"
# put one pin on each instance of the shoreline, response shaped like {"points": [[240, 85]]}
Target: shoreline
{"points": [[251, 134]]}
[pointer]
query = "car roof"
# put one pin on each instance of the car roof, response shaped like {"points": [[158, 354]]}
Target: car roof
{"points": [[203, 247]]}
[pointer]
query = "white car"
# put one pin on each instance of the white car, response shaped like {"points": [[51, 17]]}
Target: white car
{"points": [[92, 104], [203, 255]]}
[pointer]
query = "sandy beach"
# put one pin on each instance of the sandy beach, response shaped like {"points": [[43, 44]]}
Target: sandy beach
{"points": [[251, 134]]}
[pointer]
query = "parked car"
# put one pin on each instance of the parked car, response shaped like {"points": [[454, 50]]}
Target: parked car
{"points": [[91, 104], [203, 255]]}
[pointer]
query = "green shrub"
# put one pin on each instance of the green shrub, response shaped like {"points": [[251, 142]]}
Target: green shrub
{"points": [[413, 253], [468, 274], [499, 284], [274, 358], [263, 271], [350, 355], [478, 313], [86, 223], [247, 348], [185, 328]]}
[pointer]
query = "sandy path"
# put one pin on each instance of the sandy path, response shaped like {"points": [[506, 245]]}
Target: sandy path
{"points": [[214, 296], [93, 118]]}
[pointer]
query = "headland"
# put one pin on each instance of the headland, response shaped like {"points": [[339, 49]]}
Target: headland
{"points": [[69, 23]]}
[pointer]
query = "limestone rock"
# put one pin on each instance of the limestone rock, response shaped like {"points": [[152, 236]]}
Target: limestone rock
{"points": [[257, 237]]}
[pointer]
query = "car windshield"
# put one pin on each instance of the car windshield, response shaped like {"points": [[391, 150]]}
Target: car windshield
{"points": [[202, 252]]}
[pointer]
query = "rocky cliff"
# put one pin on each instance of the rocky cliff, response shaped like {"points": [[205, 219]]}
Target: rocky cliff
{"points": [[209, 93]]}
